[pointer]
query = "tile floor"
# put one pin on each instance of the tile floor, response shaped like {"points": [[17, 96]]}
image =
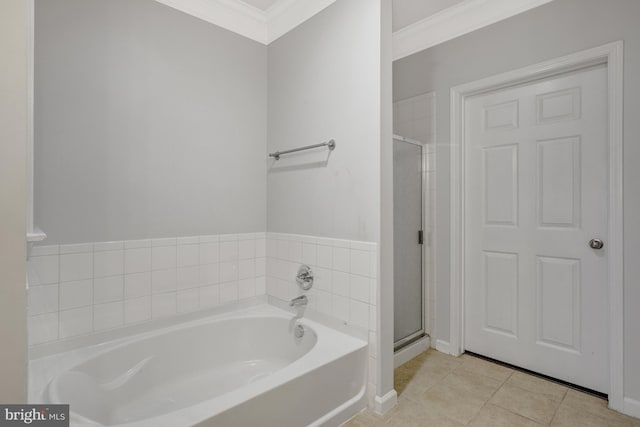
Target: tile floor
{"points": [[435, 389]]}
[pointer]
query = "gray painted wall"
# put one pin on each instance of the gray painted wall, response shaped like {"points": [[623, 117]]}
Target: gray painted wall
{"points": [[148, 123], [13, 205], [556, 29], [324, 82]]}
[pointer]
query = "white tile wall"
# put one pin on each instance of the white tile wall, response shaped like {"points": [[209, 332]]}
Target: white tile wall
{"points": [[210, 296], [188, 255], [108, 289], [108, 316], [108, 263], [187, 301], [137, 260], [163, 257], [345, 284], [137, 309], [137, 285], [43, 328], [164, 305], [76, 266], [43, 269], [83, 288], [73, 294], [414, 117], [77, 321], [44, 299]]}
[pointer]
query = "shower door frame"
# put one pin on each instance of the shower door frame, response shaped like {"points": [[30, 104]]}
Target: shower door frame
{"points": [[401, 343]]}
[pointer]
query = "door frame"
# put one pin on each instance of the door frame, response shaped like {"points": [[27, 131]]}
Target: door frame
{"points": [[610, 55], [398, 345]]}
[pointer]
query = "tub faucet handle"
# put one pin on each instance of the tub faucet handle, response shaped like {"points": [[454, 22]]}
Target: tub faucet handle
{"points": [[304, 278], [301, 300]]}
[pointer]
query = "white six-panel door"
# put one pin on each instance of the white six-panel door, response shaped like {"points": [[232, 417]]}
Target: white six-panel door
{"points": [[536, 179]]}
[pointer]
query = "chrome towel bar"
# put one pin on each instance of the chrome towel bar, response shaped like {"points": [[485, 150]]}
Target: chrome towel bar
{"points": [[331, 144]]}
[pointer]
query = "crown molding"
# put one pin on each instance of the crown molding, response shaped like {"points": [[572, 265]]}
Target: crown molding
{"points": [[267, 26], [231, 15], [248, 21], [456, 21]]}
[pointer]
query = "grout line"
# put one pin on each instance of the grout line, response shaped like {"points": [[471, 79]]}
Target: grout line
{"points": [[493, 394], [555, 414], [514, 370], [534, 376]]}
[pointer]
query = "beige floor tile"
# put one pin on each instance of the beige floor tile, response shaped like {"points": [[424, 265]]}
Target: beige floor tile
{"points": [[537, 385], [494, 416], [420, 357], [365, 419], [401, 420], [410, 413], [418, 383], [401, 377], [483, 367], [535, 406], [433, 361], [415, 388], [452, 403], [570, 417], [406, 407], [593, 405], [421, 373], [473, 383], [429, 421]]}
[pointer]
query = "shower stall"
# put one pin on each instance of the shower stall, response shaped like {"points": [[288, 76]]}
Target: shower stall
{"points": [[413, 152]]}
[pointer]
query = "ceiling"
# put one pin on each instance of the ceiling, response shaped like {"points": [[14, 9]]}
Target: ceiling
{"points": [[407, 12], [261, 4]]}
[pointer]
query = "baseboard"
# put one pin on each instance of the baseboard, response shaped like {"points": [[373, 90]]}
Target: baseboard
{"points": [[631, 407], [386, 402], [407, 353], [442, 346]]}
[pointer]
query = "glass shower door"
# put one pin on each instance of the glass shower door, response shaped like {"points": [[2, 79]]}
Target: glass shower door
{"points": [[407, 245]]}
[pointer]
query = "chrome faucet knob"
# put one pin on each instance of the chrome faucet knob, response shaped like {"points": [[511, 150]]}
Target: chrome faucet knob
{"points": [[304, 278]]}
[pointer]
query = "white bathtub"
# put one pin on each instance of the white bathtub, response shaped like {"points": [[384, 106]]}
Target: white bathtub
{"points": [[244, 368]]}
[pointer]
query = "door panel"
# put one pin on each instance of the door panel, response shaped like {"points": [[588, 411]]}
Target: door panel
{"points": [[558, 283], [559, 182], [407, 251], [500, 283], [501, 185], [536, 192]]}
